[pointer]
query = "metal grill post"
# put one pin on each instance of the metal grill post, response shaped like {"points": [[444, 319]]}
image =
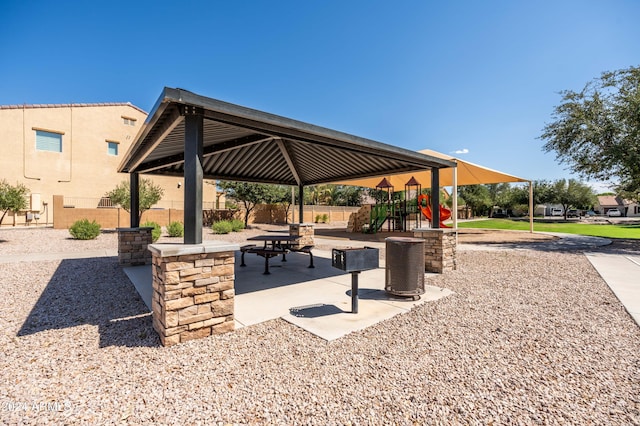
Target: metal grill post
{"points": [[354, 292]]}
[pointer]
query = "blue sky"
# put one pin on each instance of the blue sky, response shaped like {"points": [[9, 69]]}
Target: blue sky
{"points": [[478, 76]]}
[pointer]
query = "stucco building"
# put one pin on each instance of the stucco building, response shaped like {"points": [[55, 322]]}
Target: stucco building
{"points": [[73, 150]]}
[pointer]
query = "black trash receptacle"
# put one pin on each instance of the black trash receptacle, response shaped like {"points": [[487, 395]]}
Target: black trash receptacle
{"points": [[405, 266]]}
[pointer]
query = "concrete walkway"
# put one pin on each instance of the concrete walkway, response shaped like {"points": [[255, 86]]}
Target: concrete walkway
{"points": [[622, 275]]}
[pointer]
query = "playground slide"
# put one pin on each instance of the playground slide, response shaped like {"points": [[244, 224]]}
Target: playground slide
{"points": [[426, 211]]}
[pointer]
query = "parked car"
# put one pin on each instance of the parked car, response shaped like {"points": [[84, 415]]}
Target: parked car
{"points": [[590, 213], [614, 213], [556, 212], [573, 213]]}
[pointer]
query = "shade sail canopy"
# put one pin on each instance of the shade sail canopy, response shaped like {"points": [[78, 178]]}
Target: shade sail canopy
{"points": [[243, 144], [468, 174]]}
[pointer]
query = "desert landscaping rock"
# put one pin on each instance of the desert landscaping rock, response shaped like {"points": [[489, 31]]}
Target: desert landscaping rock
{"points": [[529, 337]]}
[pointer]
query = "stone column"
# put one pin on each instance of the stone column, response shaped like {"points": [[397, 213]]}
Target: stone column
{"points": [[193, 290], [303, 230], [132, 246], [439, 249]]}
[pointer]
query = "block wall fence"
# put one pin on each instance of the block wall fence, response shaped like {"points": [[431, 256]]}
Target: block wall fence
{"points": [[110, 217]]}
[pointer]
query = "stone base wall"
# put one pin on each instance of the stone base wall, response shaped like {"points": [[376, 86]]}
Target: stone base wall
{"points": [[303, 230], [132, 246], [440, 251], [193, 293]]}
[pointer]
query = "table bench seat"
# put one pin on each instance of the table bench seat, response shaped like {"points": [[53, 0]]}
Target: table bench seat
{"points": [[307, 250], [266, 252]]}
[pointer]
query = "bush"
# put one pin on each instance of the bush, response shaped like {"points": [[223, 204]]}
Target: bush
{"points": [[318, 218], [325, 218], [155, 232], [175, 229], [85, 230], [222, 227], [237, 225]]}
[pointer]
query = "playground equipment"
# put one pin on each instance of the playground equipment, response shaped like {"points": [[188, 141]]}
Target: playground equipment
{"points": [[383, 212], [396, 213], [426, 211]]}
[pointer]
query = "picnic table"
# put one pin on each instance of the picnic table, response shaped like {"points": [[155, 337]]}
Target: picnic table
{"points": [[274, 245]]}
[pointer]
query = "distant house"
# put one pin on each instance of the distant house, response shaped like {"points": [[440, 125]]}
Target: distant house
{"points": [[73, 150], [609, 202]]}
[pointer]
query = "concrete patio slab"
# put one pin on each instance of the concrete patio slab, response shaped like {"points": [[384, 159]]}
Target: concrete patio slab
{"points": [[140, 277], [331, 322], [316, 299]]}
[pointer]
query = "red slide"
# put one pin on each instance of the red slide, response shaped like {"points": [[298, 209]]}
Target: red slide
{"points": [[426, 211]]}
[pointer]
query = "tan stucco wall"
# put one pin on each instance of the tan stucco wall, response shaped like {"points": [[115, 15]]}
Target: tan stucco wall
{"points": [[83, 169]]}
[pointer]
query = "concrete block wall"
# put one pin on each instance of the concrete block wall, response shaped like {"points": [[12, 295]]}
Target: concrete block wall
{"points": [[132, 246], [440, 249], [303, 230], [193, 290]]}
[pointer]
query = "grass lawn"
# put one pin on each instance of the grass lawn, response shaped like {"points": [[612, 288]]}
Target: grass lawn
{"points": [[607, 231]]}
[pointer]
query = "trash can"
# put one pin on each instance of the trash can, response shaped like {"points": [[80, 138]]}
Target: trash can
{"points": [[405, 266]]}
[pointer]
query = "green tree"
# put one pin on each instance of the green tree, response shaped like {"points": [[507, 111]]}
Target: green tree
{"points": [[542, 192], [571, 194], [349, 195], [148, 193], [333, 195], [596, 131], [500, 195], [12, 198], [477, 198], [279, 195], [252, 194]]}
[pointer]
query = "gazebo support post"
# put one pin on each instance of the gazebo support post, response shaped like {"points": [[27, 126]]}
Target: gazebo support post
{"points": [[435, 198], [193, 141], [454, 213], [134, 200], [301, 206], [531, 207], [133, 241]]}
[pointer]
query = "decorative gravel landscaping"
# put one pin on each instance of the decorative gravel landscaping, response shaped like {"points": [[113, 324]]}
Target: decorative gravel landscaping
{"points": [[529, 337]]}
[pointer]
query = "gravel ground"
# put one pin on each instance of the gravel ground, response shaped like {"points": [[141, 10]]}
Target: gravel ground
{"points": [[528, 338]]}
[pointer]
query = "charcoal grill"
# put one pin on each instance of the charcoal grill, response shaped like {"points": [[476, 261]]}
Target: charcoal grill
{"points": [[355, 260]]}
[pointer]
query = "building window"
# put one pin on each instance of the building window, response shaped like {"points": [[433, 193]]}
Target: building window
{"points": [[129, 121], [48, 141], [112, 148]]}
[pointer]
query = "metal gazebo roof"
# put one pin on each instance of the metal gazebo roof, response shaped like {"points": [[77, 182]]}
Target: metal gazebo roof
{"points": [[248, 145]]}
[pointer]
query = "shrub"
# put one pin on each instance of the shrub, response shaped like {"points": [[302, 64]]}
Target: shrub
{"points": [[237, 225], [318, 218], [222, 227], [175, 229], [155, 232], [325, 218], [85, 230]]}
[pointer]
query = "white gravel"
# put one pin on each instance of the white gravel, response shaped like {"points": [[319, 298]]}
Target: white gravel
{"points": [[529, 338]]}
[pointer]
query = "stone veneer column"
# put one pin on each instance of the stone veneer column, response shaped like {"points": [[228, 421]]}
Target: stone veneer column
{"points": [[132, 246], [439, 249], [303, 230], [193, 290]]}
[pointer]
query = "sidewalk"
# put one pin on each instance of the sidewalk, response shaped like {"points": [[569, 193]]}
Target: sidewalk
{"points": [[622, 275]]}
